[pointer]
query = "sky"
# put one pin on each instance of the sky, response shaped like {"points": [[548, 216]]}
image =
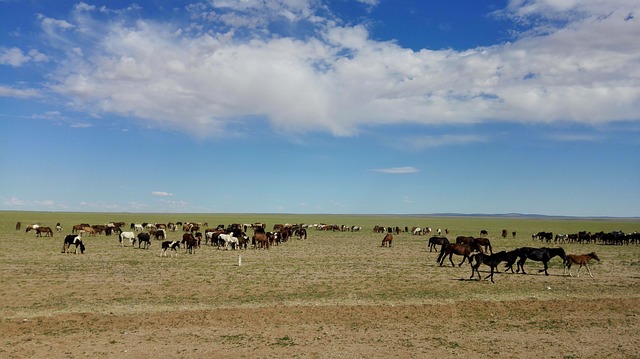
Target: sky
{"points": [[314, 106]]}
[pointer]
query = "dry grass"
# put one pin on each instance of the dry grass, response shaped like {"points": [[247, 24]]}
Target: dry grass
{"points": [[305, 298]]}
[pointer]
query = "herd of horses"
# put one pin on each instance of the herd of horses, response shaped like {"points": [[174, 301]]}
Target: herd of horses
{"points": [[474, 250]]}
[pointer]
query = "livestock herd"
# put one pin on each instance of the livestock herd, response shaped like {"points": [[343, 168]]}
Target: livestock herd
{"points": [[476, 250]]}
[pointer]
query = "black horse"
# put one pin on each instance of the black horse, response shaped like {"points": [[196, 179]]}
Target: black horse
{"points": [[492, 260], [437, 240], [543, 255]]}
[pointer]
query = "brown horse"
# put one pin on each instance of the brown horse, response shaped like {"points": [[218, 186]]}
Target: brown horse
{"points": [[463, 250], [386, 241], [582, 260], [46, 230]]}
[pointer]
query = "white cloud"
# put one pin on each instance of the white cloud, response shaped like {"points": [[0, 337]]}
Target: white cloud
{"points": [[162, 194], [339, 79], [397, 170], [18, 93], [16, 57]]}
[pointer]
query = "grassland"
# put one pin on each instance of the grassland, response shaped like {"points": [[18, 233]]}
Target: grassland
{"points": [[333, 294]]}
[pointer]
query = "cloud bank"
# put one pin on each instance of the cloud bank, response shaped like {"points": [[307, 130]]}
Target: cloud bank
{"points": [[570, 61]]}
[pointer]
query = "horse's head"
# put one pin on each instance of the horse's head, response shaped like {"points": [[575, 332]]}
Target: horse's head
{"points": [[594, 256]]}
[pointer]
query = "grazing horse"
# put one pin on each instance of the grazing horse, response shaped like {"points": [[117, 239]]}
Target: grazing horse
{"points": [[190, 242], [543, 255], [504, 233], [386, 241], [463, 250], [301, 233], [260, 240], [31, 227], [144, 238], [127, 236], [18, 226], [492, 260], [171, 246], [484, 233], [437, 240], [582, 260], [75, 240], [46, 230]]}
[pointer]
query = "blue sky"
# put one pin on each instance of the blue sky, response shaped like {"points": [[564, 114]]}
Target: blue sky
{"points": [[311, 106]]}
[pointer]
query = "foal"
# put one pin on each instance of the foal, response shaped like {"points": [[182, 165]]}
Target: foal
{"points": [[582, 260]]}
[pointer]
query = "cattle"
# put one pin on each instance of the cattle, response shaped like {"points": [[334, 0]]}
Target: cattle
{"points": [[127, 236], [171, 246], [146, 238], [75, 240]]}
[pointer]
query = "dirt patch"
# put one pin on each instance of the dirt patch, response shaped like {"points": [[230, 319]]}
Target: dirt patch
{"points": [[525, 329]]}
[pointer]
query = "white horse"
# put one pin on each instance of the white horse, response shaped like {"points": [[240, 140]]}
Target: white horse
{"points": [[229, 239]]}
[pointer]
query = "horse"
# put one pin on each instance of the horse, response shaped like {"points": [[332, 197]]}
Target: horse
{"points": [[18, 226], [386, 241], [127, 236], [492, 260], [301, 233], [171, 246], [31, 227], [190, 242], [46, 230], [511, 258], [484, 233], [582, 260], [486, 243], [75, 240], [58, 227], [146, 238], [463, 250], [260, 240], [543, 255], [437, 240]]}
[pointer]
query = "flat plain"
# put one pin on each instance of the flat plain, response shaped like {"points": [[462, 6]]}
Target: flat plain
{"points": [[334, 294]]}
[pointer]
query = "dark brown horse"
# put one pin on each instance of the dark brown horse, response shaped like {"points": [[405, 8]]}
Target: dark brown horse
{"points": [[486, 243], [386, 241], [492, 260], [437, 240], [463, 250], [543, 255], [582, 260]]}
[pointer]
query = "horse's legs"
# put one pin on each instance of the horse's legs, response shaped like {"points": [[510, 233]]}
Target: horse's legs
{"points": [[545, 268], [586, 265], [464, 257], [451, 260], [520, 265]]}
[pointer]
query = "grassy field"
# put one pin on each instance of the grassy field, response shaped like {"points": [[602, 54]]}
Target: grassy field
{"points": [[340, 271]]}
